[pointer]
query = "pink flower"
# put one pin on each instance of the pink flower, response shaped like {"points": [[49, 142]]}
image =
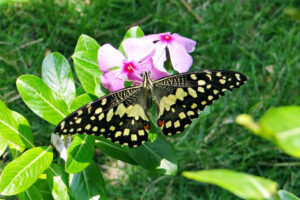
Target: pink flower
{"points": [[178, 47], [116, 67]]}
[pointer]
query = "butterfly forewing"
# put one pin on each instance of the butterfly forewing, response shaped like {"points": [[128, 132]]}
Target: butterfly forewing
{"points": [[120, 117], [181, 97]]}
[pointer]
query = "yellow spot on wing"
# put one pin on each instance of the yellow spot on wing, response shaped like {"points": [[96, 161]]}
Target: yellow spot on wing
{"points": [[133, 137], [109, 114], [182, 115], [136, 111], [118, 134], [95, 128], [194, 105], [201, 82], [180, 94], [141, 132], [192, 92], [101, 116], [87, 127], [78, 121], [62, 125], [120, 110], [98, 110], [210, 97], [222, 81], [168, 124], [193, 76], [126, 132], [201, 89], [189, 113], [238, 76], [103, 101], [79, 112], [203, 102], [93, 118], [219, 74], [176, 124], [112, 128], [209, 76], [102, 130]]}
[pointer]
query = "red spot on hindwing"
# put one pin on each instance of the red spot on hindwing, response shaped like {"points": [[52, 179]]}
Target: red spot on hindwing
{"points": [[161, 123], [147, 126]]}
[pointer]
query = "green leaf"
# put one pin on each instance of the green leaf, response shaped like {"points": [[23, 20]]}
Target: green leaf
{"points": [[242, 185], [14, 127], [3, 145], [57, 74], [283, 123], [15, 150], [80, 153], [41, 99], [113, 150], [22, 172], [57, 180], [88, 184], [81, 101], [86, 65], [133, 32], [86, 43], [158, 156], [31, 193], [285, 195]]}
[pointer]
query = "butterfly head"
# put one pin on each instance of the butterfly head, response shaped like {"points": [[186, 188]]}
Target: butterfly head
{"points": [[147, 82]]}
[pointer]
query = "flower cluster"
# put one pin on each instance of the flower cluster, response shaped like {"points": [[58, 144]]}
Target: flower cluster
{"points": [[147, 53]]}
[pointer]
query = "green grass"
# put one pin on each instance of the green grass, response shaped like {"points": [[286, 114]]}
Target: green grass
{"points": [[253, 37]]}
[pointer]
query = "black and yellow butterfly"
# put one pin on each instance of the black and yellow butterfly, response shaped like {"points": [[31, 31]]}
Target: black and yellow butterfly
{"points": [[122, 116]]}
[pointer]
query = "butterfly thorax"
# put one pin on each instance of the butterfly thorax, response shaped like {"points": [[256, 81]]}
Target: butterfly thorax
{"points": [[147, 88]]}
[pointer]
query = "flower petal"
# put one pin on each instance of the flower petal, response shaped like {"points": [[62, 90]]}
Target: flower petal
{"points": [[113, 80], [160, 57], [109, 57], [144, 65], [155, 37], [137, 49], [157, 74], [188, 44], [181, 60]]}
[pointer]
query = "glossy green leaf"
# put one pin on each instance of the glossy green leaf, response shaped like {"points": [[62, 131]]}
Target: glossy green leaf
{"points": [[285, 195], [113, 150], [57, 74], [86, 65], [86, 43], [22, 172], [3, 145], [283, 123], [133, 32], [15, 150], [42, 185], [88, 184], [31, 193], [57, 180], [14, 127], [242, 185], [80, 153], [158, 156], [41, 99], [81, 101]]}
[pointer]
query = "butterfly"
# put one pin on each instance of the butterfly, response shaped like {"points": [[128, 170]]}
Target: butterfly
{"points": [[122, 115]]}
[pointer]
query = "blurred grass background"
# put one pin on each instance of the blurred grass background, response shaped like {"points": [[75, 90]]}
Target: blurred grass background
{"points": [[255, 37]]}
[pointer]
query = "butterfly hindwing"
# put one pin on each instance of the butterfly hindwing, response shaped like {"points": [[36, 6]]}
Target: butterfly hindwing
{"points": [[181, 97], [120, 117]]}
